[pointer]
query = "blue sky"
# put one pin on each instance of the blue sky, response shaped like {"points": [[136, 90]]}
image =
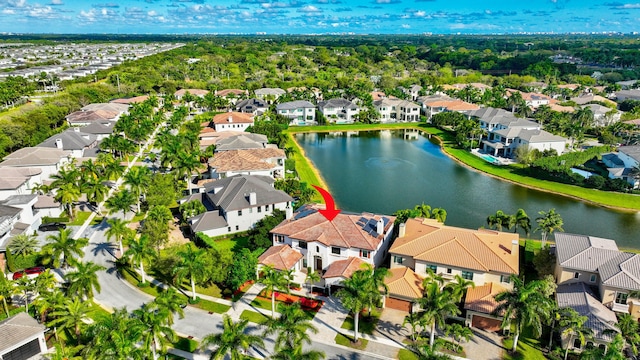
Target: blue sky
{"points": [[318, 16]]}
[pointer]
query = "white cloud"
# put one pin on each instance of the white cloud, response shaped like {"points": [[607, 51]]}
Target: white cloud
{"points": [[57, 2], [310, 9], [406, 26]]}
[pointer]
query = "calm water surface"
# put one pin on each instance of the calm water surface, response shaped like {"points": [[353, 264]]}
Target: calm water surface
{"points": [[380, 172]]}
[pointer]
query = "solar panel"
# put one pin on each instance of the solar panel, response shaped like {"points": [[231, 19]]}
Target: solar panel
{"points": [[303, 214]]}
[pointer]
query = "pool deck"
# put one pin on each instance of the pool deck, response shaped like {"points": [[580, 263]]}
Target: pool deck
{"points": [[500, 160]]}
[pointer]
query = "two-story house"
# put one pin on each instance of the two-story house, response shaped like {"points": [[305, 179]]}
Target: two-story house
{"points": [[18, 180], [236, 204], [232, 121], [487, 257], [266, 162], [334, 248], [78, 143], [629, 156], [436, 104], [301, 112], [49, 161], [269, 94], [338, 110], [393, 110], [598, 263], [252, 106]]}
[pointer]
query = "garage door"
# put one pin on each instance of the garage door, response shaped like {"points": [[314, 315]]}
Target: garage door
{"points": [[398, 304], [486, 323]]}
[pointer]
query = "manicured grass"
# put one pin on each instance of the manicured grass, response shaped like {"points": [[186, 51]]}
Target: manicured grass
{"points": [[212, 290], [97, 312], [234, 244], [405, 354], [344, 340], [211, 306], [133, 278], [366, 324], [185, 344], [138, 217], [80, 218], [254, 317], [528, 348], [305, 170]]}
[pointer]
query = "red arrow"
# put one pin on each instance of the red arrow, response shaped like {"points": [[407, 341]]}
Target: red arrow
{"points": [[330, 212]]}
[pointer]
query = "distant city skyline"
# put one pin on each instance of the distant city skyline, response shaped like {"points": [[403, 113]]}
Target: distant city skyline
{"points": [[318, 16]]}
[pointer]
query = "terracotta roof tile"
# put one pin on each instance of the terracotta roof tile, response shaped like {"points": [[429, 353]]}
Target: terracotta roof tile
{"points": [[281, 257], [132, 100], [404, 283], [236, 117], [481, 298], [346, 230], [251, 159], [195, 92], [482, 250], [343, 268]]}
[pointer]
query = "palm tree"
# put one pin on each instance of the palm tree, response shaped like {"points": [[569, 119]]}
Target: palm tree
{"points": [[63, 246], [48, 301], [459, 286], [522, 220], [192, 264], [437, 303], [25, 289], [292, 326], [376, 288], [118, 229], [232, 340], [139, 251], [23, 244], [413, 320], [157, 331], [500, 220], [66, 195], [439, 214], [138, 179], [121, 201], [96, 191], [526, 304], [548, 222], [73, 315], [297, 353], [353, 298], [170, 301], [84, 280], [573, 324], [422, 211], [311, 278], [115, 336], [160, 214], [425, 352], [186, 163], [630, 331], [612, 352], [62, 352], [273, 280], [458, 333], [6, 290]]}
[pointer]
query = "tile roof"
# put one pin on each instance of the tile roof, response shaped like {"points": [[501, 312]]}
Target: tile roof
{"points": [[72, 139], [346, 230], [226, 92], [17, 329], [34, 156], [482, 250], [242, 141], [91, 116], [232, 193], [46, 202], [633, 151], [269, 91], [245, 160], [233, 117], [623, 271], [453, 105], [281, 257], [539, 136], [404, 282], [195, 92], [98, 128], [336, 103], [292, 105], [131, 100], [343, 268], [111, 107], [481, 298], [582, 252], [209, 220], [579, 297], [250, 105], [13, 177]]}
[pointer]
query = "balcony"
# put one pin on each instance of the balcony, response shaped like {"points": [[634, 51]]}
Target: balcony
{"points": [[621, 308]]}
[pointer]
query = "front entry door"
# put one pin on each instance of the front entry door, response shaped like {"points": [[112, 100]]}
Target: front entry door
{"points": [[318, 263]]}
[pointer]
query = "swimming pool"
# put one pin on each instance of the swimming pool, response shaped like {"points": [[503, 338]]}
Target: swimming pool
{"points": [[490, 159]]}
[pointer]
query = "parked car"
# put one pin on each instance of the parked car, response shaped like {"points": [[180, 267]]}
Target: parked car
{"points": [[30, 271], [52, 226]]}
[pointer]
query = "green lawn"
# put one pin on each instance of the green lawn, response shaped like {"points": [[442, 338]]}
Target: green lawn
{"points": [[211, 306], [233, 244], [366, 324], [405, 354], [97, 312], [81, 217], [528, 348], [344, 340], [254, 317], [266, 305]]}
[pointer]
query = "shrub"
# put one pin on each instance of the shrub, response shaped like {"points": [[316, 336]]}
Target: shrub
{"points": [[595, 181], [15, 263]]}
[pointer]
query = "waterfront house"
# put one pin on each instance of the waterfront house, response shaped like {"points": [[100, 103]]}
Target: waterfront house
{"points": [[338, 110], [395, 110], [300, 112], [265, 161], [252, 106], [232, 121]]}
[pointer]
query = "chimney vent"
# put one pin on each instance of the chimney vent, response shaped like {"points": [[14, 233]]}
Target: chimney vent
{"points": [[515, 247], [59, 144], [402, 230]]}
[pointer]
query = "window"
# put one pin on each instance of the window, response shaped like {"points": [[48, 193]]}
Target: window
{"points": [[335, 250], [398, 259], [433, 268], [449, 271], [365, 254], [239, 212], [505, 279], [259, 208], [621, 298], [577, 344], [279, 238], [576, 275], [304, 263], [237, 227], [302, 244], [317, 248], [468, 275], [229, 229], [592, 278]]}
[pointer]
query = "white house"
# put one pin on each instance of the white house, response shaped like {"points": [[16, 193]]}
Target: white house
{"points": [[23, 337], [393, 110], [630, 158], [18, 180], [265, 162], [269, 94], [338, 110], [329, 247], [71, 140], [232, 121], [49, 161], [236, 204], [301, 112]]}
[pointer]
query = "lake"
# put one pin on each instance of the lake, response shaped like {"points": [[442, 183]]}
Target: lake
{"points": [[381, 172]]}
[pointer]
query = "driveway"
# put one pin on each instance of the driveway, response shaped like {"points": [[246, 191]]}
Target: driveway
{"points": [[484, 345]]}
